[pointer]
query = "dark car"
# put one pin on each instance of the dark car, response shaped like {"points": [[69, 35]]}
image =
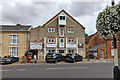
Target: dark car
{"points": [[8, 60], [54, 57], [73, 58]]}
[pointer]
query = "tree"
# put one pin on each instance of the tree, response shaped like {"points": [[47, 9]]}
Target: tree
{"points": [[86, 35], [108, 24], [108, 21]]}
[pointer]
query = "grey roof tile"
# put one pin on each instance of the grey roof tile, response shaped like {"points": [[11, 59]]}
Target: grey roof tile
{"points": [[96, 47], [14, 27]]}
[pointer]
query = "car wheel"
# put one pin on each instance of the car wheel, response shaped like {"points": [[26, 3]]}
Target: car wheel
{"points": [[56, 61], [73, 60]]}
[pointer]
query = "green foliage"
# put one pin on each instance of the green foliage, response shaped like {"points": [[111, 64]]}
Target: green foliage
{"points": [[86, 35], [108, 21]]}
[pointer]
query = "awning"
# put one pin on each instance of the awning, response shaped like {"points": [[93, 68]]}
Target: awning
{"points": [[96, 47]]}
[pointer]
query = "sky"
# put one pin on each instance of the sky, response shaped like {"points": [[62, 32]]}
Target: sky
{"points": [[38, 12]]}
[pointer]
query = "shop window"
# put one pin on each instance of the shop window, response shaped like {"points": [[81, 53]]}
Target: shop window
{"points": [[71, 51], [61, 51]]}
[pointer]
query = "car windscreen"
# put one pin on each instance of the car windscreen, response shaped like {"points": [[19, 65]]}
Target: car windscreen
{"points": [[69, 55], [50, 54]]}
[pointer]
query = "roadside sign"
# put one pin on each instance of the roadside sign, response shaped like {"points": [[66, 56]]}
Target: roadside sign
{"points": [[35, 45]]}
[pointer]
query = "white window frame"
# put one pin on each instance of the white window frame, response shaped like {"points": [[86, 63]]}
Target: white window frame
{"points": [[51, 40], [71, 40], [52, 29], [72, 51], [11, 51], [16, 38], [62, 17], [70, 30]]}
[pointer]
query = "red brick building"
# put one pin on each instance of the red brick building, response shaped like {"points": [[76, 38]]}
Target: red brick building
{"points": [[104, 47], [95, 44]]}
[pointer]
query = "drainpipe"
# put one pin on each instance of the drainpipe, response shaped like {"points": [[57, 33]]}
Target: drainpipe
{"points": [[28, 40]]}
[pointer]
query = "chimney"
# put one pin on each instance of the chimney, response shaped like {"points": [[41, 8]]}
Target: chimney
{"points": [[18, 24]]}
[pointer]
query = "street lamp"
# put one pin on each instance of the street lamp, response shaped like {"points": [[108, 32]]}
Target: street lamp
{"points": [[116, 68]]}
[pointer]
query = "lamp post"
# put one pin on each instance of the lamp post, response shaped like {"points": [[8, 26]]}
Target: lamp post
{"points": [[116, 68]]}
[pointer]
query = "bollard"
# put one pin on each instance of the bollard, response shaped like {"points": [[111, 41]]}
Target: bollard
{"points": [[116, 73]]}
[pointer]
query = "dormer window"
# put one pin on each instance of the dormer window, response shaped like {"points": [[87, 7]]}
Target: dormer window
{"points": [[62, 17]]}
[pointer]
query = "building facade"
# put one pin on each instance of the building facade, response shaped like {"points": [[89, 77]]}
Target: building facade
{"points": [[61, 34], [104, 47], [14, 40], [95, 44]]}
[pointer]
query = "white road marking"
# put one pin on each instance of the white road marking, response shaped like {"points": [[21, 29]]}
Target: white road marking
{"points": [[5, 70], [14, 70], [69, 68], [21, 69]]}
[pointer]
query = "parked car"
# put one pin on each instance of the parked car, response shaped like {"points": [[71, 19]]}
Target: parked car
{"points": [[73, 57], [8, 60], [54, 57]]}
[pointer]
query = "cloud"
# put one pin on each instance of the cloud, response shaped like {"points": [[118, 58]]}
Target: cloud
{"points": [[37, 13]]}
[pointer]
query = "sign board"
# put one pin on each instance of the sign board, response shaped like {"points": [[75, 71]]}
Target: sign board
{"points": [[51, 45], [71, 45], [35, 45]]}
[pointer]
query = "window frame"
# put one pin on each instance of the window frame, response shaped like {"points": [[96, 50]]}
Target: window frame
{"points": [[14, 37], [70, 40], [12, 52], [62, 17], [51, 29], [71, 51], [51, 40], [70, 30]]}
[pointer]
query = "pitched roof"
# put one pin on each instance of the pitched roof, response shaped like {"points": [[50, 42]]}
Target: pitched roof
{"points": [[17, 27], [111, 38], [96, 47], [87, 39], [66, 14]]}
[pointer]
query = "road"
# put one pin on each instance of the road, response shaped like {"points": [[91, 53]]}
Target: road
{"points": [[68, 70]]}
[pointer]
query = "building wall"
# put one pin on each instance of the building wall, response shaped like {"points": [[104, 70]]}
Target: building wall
{"points": [[95, 40], [79, 32], [0, 43], [109, 48], [22, 43]]}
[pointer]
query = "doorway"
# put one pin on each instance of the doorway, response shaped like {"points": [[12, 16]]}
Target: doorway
{"points": [[102, 54]]}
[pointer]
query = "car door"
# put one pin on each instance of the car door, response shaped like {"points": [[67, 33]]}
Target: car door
{"points": [[61, 57]]}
